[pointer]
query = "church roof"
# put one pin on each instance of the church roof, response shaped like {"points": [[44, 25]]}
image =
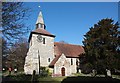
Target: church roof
{"points": [[69, 50], [43, 32]]}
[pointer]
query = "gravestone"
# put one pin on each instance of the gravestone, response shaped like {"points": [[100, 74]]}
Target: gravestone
{"points": [[108, 72]]}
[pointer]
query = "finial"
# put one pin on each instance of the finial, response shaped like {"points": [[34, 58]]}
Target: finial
{"points": [[39, 8]]}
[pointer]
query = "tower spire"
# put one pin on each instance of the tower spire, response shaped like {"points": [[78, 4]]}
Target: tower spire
{"points": [[40, 21]]}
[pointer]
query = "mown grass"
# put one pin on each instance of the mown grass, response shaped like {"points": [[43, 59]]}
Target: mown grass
{"points": [[22, 78], [51, 79], [14, 78]]}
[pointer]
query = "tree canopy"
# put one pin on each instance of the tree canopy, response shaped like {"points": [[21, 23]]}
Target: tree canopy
{"points": [[102, 45], [13, 16], [14, 48], [17, 54]]}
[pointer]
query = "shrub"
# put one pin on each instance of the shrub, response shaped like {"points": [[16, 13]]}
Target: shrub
{"points": [[44, 72], [87, 68]]}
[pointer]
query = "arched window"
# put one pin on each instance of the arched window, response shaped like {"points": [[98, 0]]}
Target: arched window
{"points": [[48, 59], [43, 40], [71, 61], [39, 25]]}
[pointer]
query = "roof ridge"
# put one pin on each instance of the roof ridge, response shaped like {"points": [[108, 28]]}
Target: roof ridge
{"points": [[67, 43]]}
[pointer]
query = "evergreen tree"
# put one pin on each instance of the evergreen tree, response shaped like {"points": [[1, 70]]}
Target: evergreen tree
{"points": [[102, 45]]}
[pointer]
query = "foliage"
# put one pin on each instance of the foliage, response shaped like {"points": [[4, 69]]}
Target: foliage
{"points": [[44, 72], [17, 54], [86, 69], [4, 47], [13, 16], [5, 51], [102, 45]]}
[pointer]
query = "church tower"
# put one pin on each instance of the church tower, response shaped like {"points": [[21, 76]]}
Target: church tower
{"points": [[41, 48], [40, 21]]}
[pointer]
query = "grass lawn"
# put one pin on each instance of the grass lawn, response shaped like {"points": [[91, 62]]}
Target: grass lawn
{"points": [[22, 78], [51, 79]]}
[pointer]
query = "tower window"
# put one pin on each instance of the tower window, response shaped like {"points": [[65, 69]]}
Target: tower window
{"points": [[43, 40], [39, 25], [48, 59], [42, 26], [71, 61]]}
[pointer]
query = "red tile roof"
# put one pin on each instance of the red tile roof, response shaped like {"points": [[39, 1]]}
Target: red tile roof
{"points": [[69, 50], [42, 31]]}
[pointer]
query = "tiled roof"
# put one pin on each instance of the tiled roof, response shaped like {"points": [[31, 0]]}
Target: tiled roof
{"points": [[54, 61], [42, 31], [69, 50]]}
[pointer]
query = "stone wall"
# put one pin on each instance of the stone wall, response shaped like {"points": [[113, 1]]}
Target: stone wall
{"points": [[66, 63], [38, 49]]}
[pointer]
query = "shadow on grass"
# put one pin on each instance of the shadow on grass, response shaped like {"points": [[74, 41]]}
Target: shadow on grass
{"points": [[27, 79], [79, 79], [82, 79], [19, 78]]}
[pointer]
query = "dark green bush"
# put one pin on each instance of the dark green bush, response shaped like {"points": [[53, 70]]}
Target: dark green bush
{"points": [[44, 72]]}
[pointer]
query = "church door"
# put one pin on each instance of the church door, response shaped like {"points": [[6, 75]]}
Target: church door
{"points": [[63, 71]]}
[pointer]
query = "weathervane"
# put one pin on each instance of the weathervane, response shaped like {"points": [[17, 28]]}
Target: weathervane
{"points": [[39, 7]]}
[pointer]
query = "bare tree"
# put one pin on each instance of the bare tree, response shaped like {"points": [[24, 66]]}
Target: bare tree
{"points": [[17, 54], [13, 16]]}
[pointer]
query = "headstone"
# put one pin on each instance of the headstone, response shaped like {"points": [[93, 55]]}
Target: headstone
{"points": [[94, 72], [15, 70], [79, 70], [108, 73]]}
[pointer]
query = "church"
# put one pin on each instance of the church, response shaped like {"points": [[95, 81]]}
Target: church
{"points": [[62, 59]]}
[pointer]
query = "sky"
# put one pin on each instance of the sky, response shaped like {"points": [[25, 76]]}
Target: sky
{"points": [[69, 21]]}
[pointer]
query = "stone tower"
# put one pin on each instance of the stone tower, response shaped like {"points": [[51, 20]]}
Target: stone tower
{"points": [[41, 48]]}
